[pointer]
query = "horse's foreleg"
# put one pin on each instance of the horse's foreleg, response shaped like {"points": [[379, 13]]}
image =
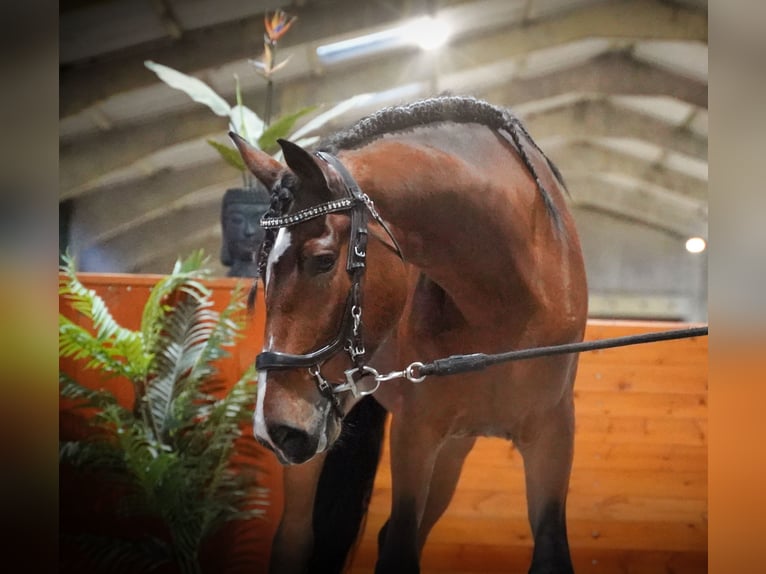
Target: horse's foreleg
{"points": [[413, 454], [449, 463], [547, 451], [294, 539]]}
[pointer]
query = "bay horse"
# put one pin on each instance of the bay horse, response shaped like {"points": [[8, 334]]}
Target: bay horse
{"points": [[425, 230]]}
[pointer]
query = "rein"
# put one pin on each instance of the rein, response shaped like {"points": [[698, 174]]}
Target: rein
{"points": [[349, 337]]}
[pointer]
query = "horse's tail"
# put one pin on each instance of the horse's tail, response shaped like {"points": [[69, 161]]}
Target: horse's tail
{"points": [[345, 487]]}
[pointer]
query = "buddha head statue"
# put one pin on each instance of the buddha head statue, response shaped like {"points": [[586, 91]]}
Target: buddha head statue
{"points": [[241, 211]]}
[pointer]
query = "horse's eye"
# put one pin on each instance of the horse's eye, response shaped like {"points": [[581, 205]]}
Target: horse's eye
{"points": [[321, 263]]}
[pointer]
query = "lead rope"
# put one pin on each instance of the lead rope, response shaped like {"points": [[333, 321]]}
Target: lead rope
{"points": [[417, 372]]}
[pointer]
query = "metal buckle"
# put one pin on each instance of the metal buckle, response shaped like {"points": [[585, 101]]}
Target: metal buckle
{"points": [[322, 384], [351, 381], [356, 313]]}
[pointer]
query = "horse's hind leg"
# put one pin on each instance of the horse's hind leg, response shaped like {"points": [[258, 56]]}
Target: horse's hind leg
{"points": [[449, 463], [547, 449]]}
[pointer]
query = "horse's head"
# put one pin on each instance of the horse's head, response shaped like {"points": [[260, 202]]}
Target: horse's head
{"points": [[313, 292]]}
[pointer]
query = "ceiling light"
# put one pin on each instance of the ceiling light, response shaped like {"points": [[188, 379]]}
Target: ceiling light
{"points": [[426, 32], [695, 245]]}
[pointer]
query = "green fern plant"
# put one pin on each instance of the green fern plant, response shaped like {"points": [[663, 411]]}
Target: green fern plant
{"points": [[172, 451]]}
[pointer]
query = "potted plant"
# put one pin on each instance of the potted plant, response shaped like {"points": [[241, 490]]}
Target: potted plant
{"points": [[174, 461]]}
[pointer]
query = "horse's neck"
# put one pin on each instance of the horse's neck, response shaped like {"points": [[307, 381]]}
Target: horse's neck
{"points": [[463, 222]]}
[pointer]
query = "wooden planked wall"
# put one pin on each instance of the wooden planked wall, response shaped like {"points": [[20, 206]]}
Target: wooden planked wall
{"points": [[638, 493]]}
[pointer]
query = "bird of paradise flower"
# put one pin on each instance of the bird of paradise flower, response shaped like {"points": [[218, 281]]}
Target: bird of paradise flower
{"points": [[276, 26]]}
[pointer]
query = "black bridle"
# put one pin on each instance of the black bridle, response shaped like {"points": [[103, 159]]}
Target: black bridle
{"points": [[349, 337]]}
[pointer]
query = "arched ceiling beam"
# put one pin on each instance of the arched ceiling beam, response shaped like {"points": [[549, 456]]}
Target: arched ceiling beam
{"points": [[610, 73], [156, 236], [675, 125], [564, 38], [86, 159], [96, 220], [83, 161], [601, 116], [177, 157], [613, 72], [581, 157], [207, 239], [107, 26], [165, 192], [640, 201], [83, 83], [83, 86]]}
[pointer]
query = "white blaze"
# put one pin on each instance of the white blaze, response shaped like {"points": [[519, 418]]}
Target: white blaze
{"points": [[281, 243], [259, 424]]}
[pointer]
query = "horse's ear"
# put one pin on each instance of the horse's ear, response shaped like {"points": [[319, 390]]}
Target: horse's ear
{"points": [[303, 165], [264, 167]]}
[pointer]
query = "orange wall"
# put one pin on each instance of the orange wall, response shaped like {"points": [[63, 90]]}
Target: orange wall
{"points": [[638, 497]]}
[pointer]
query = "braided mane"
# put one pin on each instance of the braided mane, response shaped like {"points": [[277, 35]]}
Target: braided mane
{"points": [[454, 109]]}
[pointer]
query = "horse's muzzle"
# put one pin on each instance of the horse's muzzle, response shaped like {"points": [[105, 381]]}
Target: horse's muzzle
{"points": [[292, 445]]}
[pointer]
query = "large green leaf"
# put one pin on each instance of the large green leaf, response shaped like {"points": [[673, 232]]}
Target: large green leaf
{"points": [[78, 343], [335, 111], [195, 264], [225, 332], [87, 397], [229, 155], [280, 129], [196, 89], [186, 330], [246, 123], [117, 344], [185, 272]]}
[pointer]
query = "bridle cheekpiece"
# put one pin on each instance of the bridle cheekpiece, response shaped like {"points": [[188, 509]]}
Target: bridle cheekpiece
{"points": [[349, 337]]}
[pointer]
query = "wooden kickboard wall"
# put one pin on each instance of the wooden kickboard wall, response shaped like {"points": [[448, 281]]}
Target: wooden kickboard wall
{"points": [[638, 493]]}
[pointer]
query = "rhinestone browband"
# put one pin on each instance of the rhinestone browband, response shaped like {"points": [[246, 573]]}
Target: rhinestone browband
{"points": [[309, 213]]}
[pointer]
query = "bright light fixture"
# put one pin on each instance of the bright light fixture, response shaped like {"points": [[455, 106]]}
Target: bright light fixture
{"points": [[427, 32], [695, 245]]}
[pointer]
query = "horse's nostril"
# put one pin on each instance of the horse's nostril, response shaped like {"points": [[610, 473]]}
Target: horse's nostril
{"points": [[296, 445]]}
